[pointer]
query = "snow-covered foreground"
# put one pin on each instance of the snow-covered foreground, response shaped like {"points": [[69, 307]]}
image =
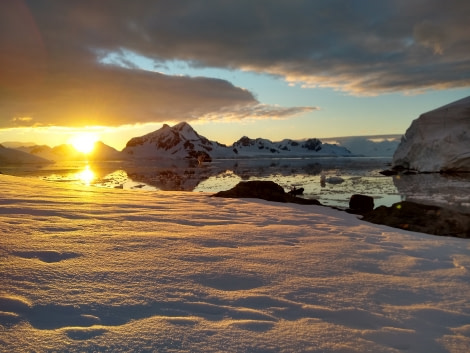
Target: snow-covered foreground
{"points": [[87, 269]]}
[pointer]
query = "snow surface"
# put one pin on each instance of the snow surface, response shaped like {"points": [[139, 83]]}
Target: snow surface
{"points": [[87, 269], [438, 140]]}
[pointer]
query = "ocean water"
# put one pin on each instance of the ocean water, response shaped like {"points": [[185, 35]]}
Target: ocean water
{"points": [[332, 181]]}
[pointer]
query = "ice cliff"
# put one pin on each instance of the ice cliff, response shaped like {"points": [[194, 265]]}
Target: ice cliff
{"points": [[438, 141]]}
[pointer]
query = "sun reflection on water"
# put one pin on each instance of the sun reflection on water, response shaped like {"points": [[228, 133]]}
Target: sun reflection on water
{"points": [[86, 176]]}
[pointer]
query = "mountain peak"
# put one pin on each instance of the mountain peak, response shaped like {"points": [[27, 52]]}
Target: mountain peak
{"points": [[180, 141], [186, 130], [182, 125]]}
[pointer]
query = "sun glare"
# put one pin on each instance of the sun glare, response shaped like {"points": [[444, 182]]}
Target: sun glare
{"points": [[86, 176], [84, 142]]}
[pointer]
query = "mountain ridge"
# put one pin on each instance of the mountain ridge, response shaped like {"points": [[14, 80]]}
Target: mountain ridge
{"points": [[181, 141]]}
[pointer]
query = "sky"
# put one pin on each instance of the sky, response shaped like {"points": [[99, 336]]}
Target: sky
{"points": [[273, 69]]}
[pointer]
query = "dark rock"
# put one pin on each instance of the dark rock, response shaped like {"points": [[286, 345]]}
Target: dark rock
{"points": [[296, 191], [265, 190], [361, 204], [422, 218], [389, 172]]}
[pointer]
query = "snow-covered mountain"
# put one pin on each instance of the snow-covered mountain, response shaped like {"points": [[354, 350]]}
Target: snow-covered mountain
{"points": [[67, 152], [183, 142], [438, 141], [176, 142], [246, 147], [13, 156]]}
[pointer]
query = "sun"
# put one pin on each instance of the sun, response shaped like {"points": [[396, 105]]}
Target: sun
{"points": [[84, 142]]}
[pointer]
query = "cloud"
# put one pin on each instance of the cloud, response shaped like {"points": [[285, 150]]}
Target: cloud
{"points": [[51, 70], [116, 96], [255, 111], [51, 74]]}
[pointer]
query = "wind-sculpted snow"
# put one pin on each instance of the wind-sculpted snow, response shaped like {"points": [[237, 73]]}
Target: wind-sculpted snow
{"points": [[88, 269]]}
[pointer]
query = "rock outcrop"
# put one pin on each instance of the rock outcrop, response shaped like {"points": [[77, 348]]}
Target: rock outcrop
{"points": [[265, 190], [422, 218], [361, 204], [438, 141]]}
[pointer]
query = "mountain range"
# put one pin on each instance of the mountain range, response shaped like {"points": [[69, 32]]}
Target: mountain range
{"points": [[183, 142], [180, 141]]}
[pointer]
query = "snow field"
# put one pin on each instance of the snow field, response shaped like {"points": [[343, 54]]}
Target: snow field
{"points": [[88, 269]]}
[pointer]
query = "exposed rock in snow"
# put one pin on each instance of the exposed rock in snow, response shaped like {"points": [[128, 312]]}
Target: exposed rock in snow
{"points": [[182, 142], [265, 190], [438, 141], [422, 218], [13, 156], [361, 203]]}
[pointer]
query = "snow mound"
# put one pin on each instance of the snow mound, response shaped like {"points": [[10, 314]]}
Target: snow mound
{"points": [[438, 141]]}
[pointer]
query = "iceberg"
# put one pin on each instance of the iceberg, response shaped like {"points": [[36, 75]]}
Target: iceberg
{"points": [[438, 141]]}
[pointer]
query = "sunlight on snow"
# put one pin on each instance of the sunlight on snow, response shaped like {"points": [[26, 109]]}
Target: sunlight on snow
{"points": [[115, 270]]}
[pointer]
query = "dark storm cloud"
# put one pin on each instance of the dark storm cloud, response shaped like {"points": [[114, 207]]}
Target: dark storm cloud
{"points": [[362, 47]]}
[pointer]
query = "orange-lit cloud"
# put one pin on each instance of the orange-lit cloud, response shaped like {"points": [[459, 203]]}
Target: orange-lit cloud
{"points": [[51, 71]]}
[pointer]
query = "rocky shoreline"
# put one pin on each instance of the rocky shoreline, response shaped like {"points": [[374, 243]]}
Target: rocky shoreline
{"points": [[404, 215]]}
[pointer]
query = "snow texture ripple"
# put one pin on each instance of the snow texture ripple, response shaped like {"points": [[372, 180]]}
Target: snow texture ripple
{"points": [[88, 269]]}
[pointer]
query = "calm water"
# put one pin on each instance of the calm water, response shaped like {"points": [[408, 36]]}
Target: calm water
{"points": [[330, 180]]}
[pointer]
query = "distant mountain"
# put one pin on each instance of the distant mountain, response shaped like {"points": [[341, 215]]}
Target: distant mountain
{"points": [[103, 152], [13, 156], [183, 142], [16, 144], [246, 147], [44, 151], [370, 146], [67, 152]]}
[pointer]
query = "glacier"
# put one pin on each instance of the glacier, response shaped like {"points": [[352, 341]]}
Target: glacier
{"points": [[437, 141]]}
